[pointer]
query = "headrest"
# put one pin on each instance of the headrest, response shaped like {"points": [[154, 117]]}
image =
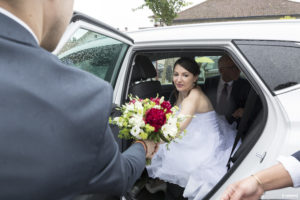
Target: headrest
{"points": [[144, 68], [136, 73]]}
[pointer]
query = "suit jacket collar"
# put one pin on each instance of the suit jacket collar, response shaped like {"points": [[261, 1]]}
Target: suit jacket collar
{"points": [[12, 30], [230, 83]]}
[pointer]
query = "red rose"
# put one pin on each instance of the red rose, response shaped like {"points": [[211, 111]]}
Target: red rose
{"points": [[166, 105], [156, 118]]}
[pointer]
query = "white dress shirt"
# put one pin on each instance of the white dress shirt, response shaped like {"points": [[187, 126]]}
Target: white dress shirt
{"points": [[220, 88], [292, 165], [18, 20]]}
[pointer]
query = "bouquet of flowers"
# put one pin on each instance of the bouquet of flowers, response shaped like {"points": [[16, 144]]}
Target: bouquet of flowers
{"points": [[148, 119]]}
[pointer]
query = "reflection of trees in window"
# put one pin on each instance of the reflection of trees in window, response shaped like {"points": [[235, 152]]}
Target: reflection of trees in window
{"points": [[96, 60]]}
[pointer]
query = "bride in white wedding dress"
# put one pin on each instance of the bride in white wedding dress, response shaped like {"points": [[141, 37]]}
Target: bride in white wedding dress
{"points": [[198, 160]]}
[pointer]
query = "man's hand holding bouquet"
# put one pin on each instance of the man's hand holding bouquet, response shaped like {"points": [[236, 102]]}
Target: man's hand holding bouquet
{"points": [[146, 120]]}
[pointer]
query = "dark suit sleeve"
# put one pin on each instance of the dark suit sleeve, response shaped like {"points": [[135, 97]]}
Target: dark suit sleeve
{"points": [[114, 172], [121, 171], [243, 93], [297, 155]]}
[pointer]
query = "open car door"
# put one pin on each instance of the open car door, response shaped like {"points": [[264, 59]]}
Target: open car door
{"points": [[94, 47]]}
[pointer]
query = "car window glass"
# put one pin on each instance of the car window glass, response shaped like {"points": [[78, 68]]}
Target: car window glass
{"points": [[95, 53], [277, 63], [208, 68], [164, 69]]}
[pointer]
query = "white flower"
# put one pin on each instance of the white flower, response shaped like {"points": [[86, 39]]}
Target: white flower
{"points": [[157, 106], [162, 99], [182, 117], [174, 109], [170, 128], [130, 107], [119, 121], [138, 106], [135, 131], [137, 120]]}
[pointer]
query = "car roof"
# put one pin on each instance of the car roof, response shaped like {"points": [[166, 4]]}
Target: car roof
{"points": [[285, 30]]}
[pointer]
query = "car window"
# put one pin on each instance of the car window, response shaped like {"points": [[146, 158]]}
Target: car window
{"points": [[95, 53], [277, 63], [208, 68], [164, 69]]}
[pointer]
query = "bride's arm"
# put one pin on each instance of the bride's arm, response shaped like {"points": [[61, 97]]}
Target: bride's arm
{"points": [[189, 108]]}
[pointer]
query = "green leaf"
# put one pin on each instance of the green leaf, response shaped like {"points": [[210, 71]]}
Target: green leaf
{"points": [[163, 137]]}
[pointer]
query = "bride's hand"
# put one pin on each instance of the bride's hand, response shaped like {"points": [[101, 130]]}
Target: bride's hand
{"points": [[238, 113]]}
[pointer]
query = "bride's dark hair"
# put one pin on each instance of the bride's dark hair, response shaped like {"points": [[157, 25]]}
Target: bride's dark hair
{"points": [[190, 65]]}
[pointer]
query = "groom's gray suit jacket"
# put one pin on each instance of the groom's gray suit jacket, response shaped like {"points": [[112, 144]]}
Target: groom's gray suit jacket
{"points": [[55, 140]]}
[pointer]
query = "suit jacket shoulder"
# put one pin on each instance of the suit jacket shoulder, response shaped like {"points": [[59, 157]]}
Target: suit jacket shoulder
{"points": [[240, 91]]}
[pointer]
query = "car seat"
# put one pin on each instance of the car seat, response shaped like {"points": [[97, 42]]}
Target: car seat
{"points": [[142, 84]]}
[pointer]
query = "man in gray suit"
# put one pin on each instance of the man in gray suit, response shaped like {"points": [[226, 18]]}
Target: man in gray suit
{"points": [[55, 141]]}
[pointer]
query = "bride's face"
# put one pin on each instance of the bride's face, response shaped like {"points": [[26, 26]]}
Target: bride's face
{"points": [[183, 79]]}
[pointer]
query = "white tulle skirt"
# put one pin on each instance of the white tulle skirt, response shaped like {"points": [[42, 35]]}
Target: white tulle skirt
{"points": [[198, 160]]}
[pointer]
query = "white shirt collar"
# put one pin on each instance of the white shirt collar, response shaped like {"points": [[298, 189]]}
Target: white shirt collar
{"points": [[18, 20], [228, 83]]}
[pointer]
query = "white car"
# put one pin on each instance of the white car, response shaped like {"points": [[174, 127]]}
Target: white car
{"points": [[267, 53]]}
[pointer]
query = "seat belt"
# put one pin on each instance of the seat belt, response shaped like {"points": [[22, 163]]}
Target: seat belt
{"points": [[248, 112]]}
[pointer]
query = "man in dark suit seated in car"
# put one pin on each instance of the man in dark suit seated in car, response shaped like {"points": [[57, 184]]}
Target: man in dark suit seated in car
{"points": [[227, 92]]}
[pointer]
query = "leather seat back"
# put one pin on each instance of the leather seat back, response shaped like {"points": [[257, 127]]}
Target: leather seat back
{"points": [[142, 71]]}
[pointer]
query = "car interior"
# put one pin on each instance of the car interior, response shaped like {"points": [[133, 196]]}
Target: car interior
{"points": [[149, 80], [149, 74], [141, 83]]}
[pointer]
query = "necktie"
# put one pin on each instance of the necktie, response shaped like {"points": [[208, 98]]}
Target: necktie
{"points": [[222, 104]]}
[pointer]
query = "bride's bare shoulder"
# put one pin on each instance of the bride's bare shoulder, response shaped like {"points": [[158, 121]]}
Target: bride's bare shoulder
{"points": [[198, 97], [196, 93]]}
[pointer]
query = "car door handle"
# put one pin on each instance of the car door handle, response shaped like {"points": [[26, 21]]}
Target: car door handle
{"points": [[261, 156]]}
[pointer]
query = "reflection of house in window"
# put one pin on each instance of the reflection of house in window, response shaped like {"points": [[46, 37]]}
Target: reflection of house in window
{"points": [[80, 37], [238, 10]]}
